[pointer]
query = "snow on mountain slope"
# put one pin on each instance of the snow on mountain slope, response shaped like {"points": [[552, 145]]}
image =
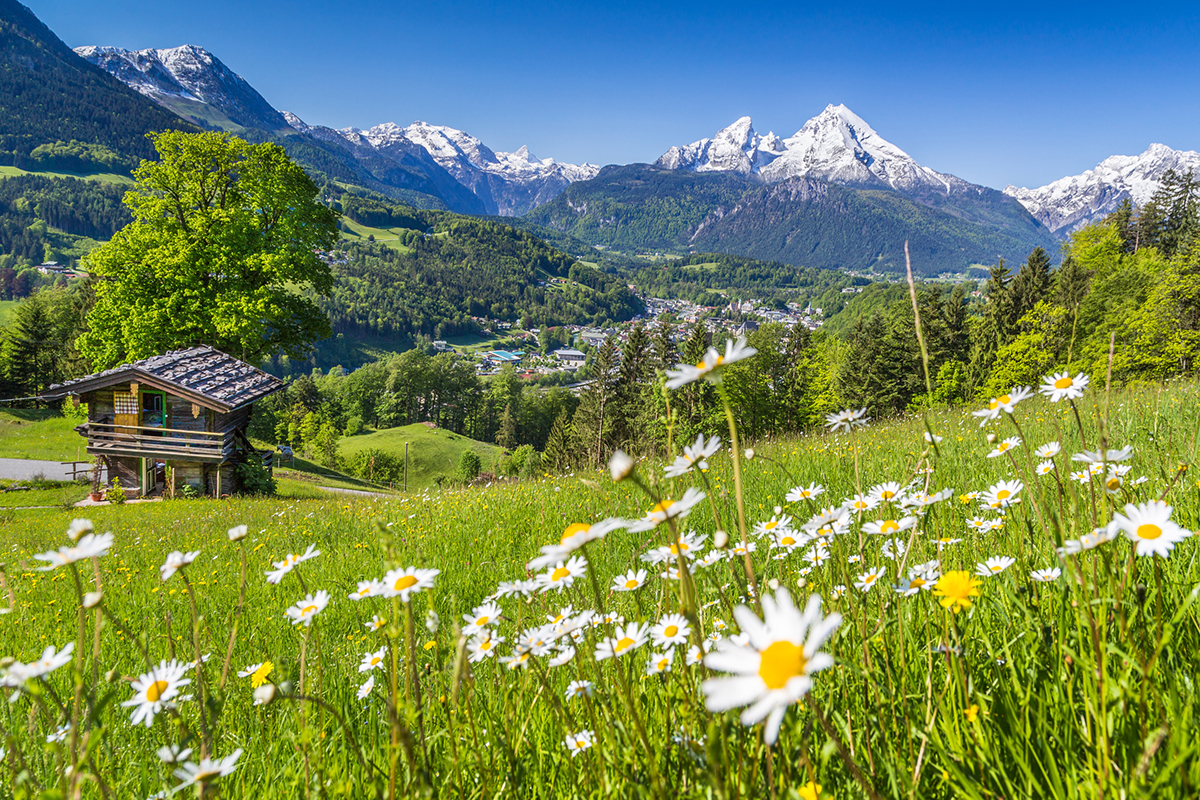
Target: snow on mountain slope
{"points": [[508, 183], [737, 148], [178, 76], [1076, 201], [836, 145]]}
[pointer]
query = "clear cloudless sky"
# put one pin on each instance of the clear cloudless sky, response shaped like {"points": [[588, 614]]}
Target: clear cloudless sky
{"points": [[994, 92]]}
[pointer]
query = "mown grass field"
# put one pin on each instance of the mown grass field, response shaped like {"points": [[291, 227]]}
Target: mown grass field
{"points": [[40, 434], [103, 177], [432, 452], [1080, 687]]}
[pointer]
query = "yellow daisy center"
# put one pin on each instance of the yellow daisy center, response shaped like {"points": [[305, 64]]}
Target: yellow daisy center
{"points": [[155, 690], [1003, 494], [485, 619], [486, 645], [670, 630], [916, 583], [1148, 531], [887, 494], [1064, 383], [662, 507], [788, 541], [375, 660], [1114, 483], [770, 525], [781, 662], [889, 526], [663, 663], [571, 530], [559, 574], [307, 609], [995, 567], [631, 584], [405, 582], [623, 644]]}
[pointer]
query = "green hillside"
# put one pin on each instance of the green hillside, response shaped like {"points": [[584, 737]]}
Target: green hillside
{"points": [[432, 452]]}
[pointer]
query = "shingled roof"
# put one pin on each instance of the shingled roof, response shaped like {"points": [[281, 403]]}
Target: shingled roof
{"points": [[202, 374]]}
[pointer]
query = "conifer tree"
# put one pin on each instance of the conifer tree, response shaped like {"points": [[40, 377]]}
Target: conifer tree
{"points": [[957, 316], [1031, 285], [506, 434], [32, 348], [557, 455], [1071, 284], [592, 423]]}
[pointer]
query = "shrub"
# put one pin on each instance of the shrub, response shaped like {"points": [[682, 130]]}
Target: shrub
{"points": [[469, 466], [254, 479]]}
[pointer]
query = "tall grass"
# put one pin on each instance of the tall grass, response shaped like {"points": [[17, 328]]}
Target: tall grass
{"points": [[1084, 686]]}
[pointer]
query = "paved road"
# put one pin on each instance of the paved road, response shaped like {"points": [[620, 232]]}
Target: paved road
{"points": [[19, 469]]}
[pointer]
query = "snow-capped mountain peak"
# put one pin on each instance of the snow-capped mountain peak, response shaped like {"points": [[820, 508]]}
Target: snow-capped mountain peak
{"points": [[1075, 201], [186, 73], [736, 148]]}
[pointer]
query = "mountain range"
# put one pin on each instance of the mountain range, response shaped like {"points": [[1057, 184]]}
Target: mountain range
{"points": [[834, 194]]}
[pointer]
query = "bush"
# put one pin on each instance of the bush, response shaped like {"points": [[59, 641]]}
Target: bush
{"points": [[378, 466], [115, 493], [354, 425], [255, 479], [469, 466]]}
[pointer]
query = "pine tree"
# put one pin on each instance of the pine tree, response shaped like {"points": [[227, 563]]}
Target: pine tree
{"points": [[665, 353], [506, 434], [1126, 224], [1071, 284], [1031, 284], [557, 455], [592, 423], [32, 348], [958, 338], [632, 376]]}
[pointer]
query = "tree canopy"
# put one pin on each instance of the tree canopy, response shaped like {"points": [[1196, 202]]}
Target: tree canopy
{"points": [[224, 240]]}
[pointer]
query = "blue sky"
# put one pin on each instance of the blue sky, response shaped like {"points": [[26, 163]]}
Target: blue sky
{"points": [[995, 93]]}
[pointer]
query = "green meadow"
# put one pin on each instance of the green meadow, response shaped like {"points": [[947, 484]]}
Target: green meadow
{"points": [[1081, 686]]}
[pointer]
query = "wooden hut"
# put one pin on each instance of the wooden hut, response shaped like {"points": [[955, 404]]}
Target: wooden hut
{"points": [[183, 414]]}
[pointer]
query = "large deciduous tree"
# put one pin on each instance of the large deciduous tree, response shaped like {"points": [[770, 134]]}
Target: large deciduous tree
{"points": [[223, 245]]}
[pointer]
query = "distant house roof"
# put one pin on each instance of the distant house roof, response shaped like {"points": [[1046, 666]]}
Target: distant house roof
{"points": [[566, 353], [203, 375]]}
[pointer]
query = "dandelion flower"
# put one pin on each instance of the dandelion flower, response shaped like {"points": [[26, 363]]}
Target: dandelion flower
{"points": [[176, 561], [1061, 386], [155, 689], [955, 590], [775, 670], [1149, 527], [404, 583], [303, 611]]}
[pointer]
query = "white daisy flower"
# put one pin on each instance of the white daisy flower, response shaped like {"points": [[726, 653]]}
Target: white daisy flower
{"points": [[89, 546], [1061, 386], [1045, 468], [668, 509], [861, 502], [373, 661], [303, 611], [209, 769], [573, 538], [776, 669], [1048, 450], [1003, 404], [175, 561], [660, 662], [154, 690], [1149, 527], [366, 589], [625, 639], [671, 630], [563, 574], [994, 565], [1003, 447], [289, 563], [620, 465], [889, 491], [482, 647], [579, 689], [810, 492], [1103, 456], [884, 527], [1046, 575], [634, 579], [694, 455], [404, 583], [1002, 494], [79, 527], [867, 580], [480, 617], [578, 742], [847, 420], [366, 688], [710, 367]]}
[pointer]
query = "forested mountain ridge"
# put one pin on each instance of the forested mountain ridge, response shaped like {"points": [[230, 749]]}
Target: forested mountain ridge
{"points": [[802, 221], [445, 269], [59, 112]]}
